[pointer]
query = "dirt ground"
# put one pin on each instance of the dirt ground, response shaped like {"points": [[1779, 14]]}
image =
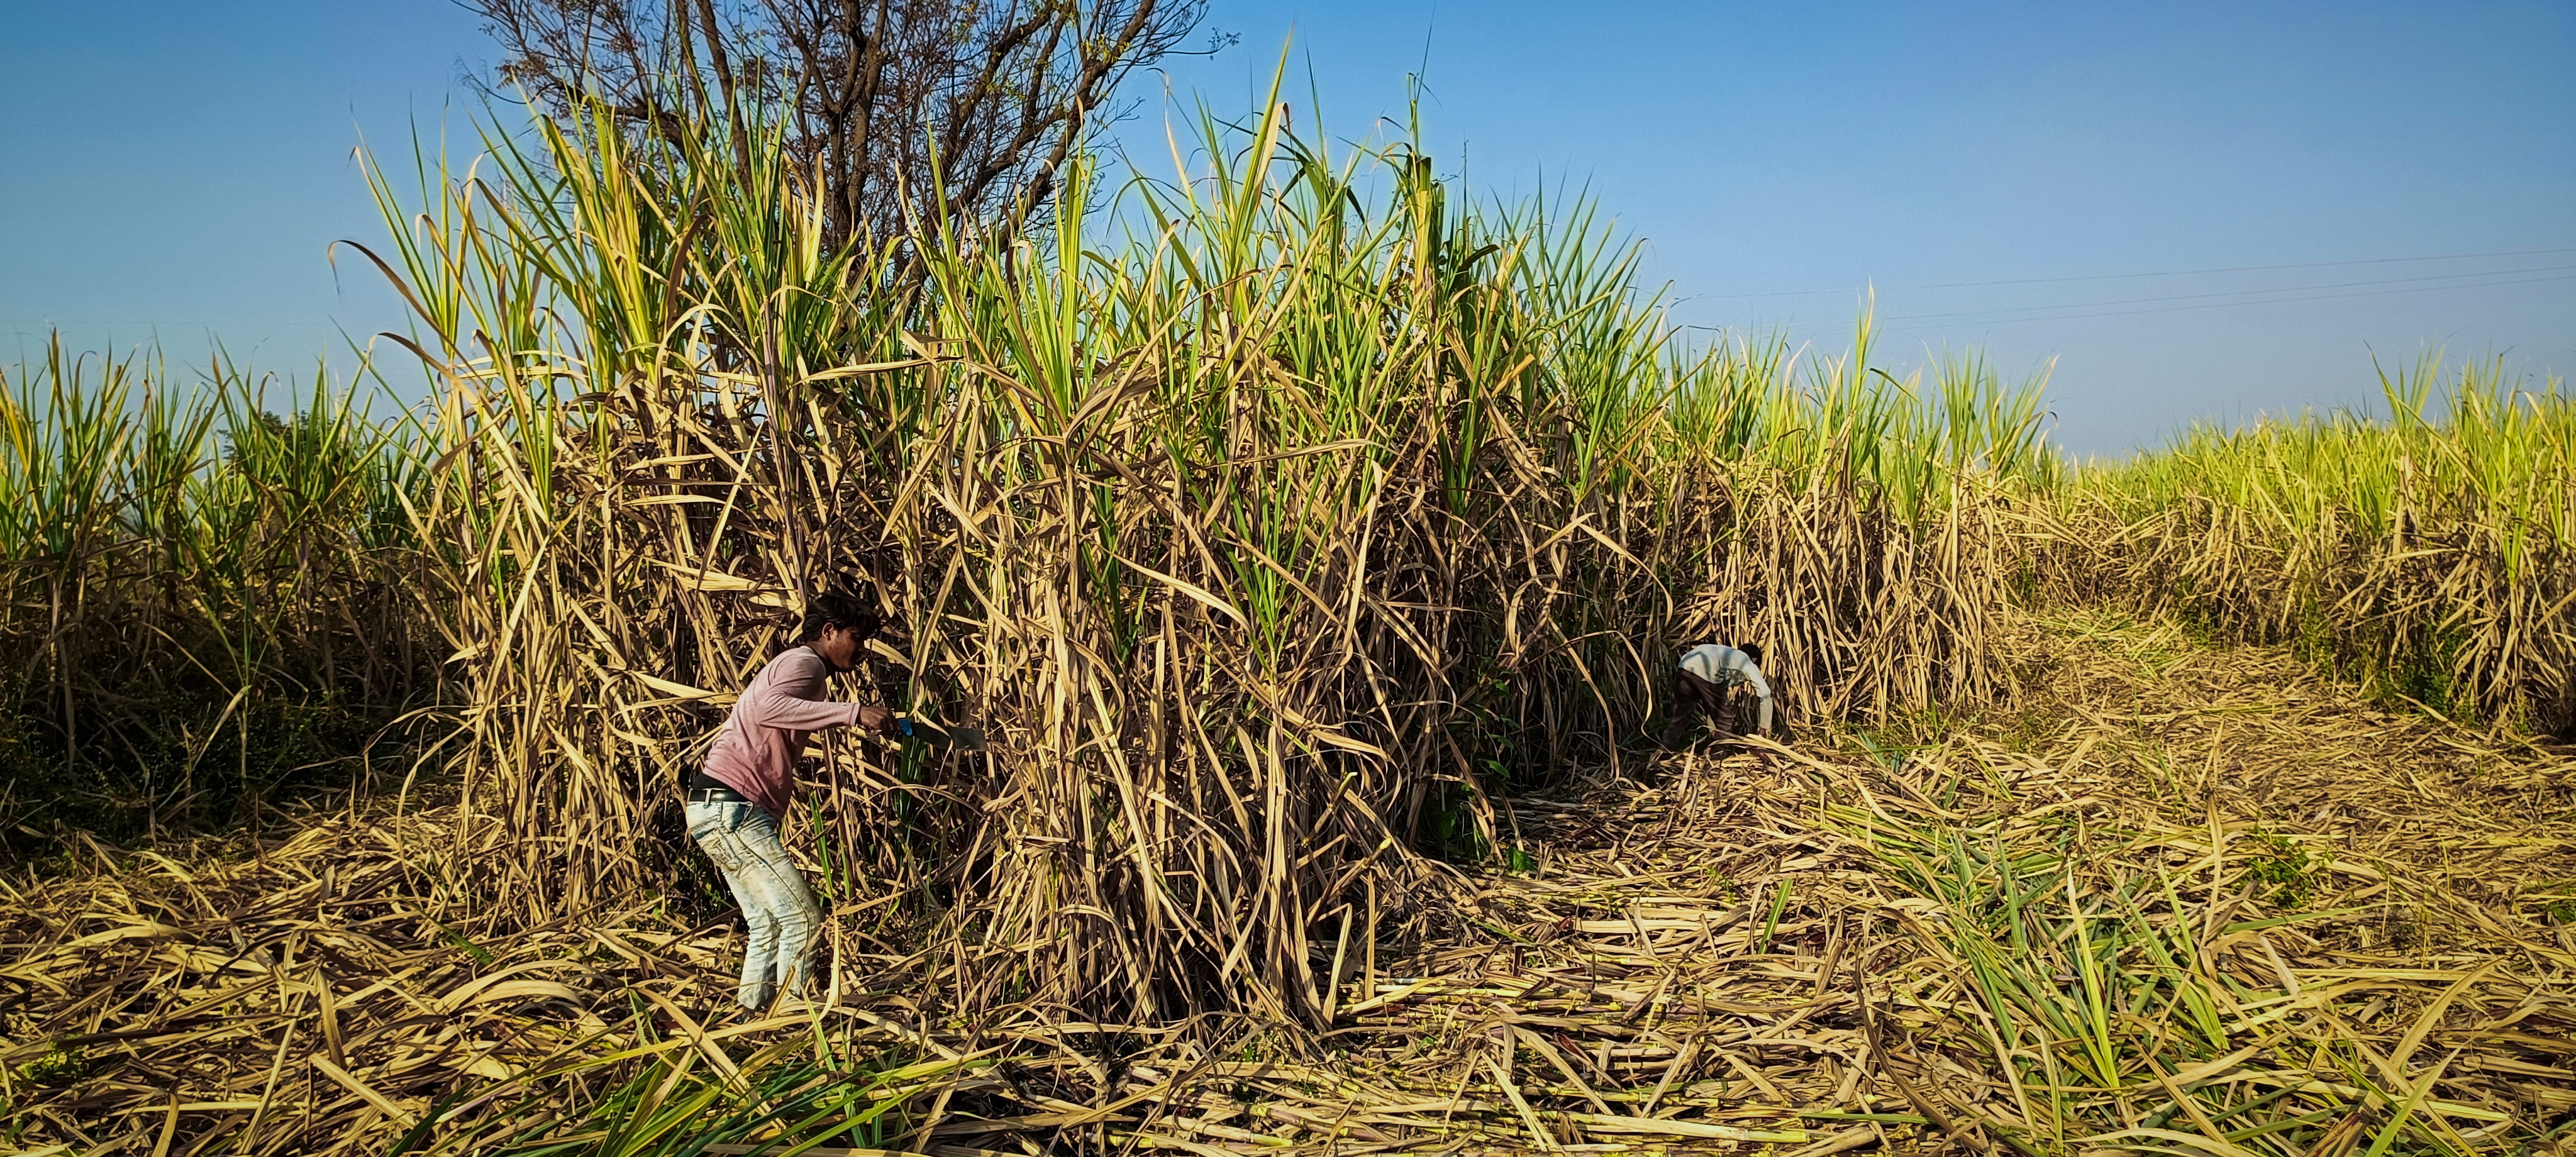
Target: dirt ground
{"points": [[2174, 899]]}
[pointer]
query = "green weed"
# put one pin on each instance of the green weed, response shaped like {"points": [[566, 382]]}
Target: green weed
{"points": [[2282, 872], [456, 940], [2558, 901], [58, 1066]]}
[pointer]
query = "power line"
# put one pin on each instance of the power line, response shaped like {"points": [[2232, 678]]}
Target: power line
{"points": [[152, 322], [2161, 273], [2272, 301], [2251, 294], [2245, 292]]}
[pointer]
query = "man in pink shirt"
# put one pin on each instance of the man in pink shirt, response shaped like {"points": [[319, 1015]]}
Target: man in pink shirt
{"points": [[737, 801]]}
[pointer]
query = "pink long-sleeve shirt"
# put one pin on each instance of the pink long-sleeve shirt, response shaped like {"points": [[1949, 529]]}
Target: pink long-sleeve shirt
{"points": [[755, 751]]}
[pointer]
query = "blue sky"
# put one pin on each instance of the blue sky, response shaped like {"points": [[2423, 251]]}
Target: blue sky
{"points": [[176, 172]]}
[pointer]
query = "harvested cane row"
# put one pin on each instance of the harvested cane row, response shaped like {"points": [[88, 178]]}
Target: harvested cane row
{"points": [[2091, 925], [2431, 555]]}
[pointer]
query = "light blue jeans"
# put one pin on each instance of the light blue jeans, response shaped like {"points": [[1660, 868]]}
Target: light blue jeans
{"points": [[782, 913]]}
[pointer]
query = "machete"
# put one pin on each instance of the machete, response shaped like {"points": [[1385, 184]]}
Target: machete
{"points": [[939, 734]]}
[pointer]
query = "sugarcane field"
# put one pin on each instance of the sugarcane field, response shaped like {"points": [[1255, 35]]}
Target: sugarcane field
{"points": [[1256, 646]]}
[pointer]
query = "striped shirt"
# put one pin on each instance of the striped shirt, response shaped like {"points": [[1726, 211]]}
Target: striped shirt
{"points": [[1728, 667]]}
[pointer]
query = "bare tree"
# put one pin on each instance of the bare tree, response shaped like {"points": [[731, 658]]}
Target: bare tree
{"points": [[1004, 90]]}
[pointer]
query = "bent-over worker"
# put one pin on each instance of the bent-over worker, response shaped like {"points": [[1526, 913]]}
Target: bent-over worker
{"points": [[1709, 685], [736, 802]]}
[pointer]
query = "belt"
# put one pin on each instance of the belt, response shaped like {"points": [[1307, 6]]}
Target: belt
{"points": [[714, 795]]}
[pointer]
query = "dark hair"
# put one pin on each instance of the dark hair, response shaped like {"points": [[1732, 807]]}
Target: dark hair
{"points": [[1752, 649], [837, 611]]}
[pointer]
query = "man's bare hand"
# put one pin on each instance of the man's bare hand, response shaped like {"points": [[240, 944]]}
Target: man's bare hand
{"points": [[876, 719]]}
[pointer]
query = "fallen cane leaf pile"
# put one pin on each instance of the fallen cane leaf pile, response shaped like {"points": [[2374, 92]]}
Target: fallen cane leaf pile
{"points": [[1795, 948]]}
